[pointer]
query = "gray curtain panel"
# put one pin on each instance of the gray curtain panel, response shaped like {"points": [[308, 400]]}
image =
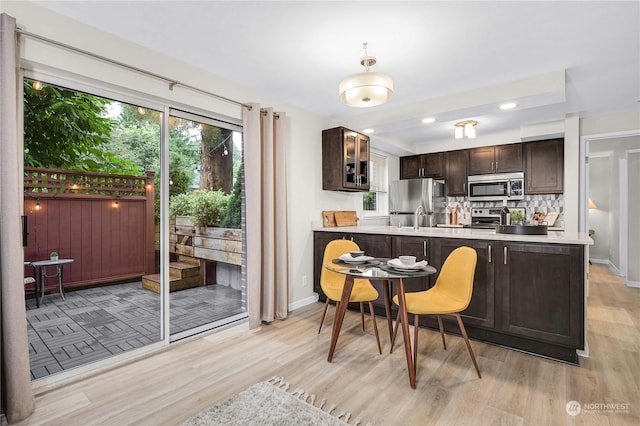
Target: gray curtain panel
{"points": [[265, 136], [15, 349]]}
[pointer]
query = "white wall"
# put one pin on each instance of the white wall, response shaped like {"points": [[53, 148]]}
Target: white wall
{"points": [[633, 167], [606, 154], [601, 182]]}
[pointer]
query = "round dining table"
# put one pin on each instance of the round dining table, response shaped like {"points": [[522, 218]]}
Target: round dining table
{"points": [[377, 270]]}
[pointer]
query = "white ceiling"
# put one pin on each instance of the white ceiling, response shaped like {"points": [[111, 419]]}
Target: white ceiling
{"points": [[450, 60]]}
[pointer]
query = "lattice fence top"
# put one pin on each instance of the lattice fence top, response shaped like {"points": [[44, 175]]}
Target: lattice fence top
{"points": [[53, 182]]}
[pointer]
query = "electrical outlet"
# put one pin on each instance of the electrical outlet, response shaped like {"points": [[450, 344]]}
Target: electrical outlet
{"points": [[304, 281]]}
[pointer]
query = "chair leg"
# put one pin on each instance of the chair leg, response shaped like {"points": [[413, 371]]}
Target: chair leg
{"points": [[466, 339], [324, 314], [395, 333], [416, 326], [375, 326], [362, 315], [444, 343]]}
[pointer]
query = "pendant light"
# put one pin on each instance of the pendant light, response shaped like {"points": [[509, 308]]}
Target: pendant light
{"points": [[366, 89]]}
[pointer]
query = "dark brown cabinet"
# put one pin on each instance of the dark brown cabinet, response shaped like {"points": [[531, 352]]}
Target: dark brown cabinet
{"points": [[527, 296], [481, 308], [456, 173], [420, 248], [422, 166], [375, 245], [544, 167], [345, 160], [495, 159], [540, 287]]}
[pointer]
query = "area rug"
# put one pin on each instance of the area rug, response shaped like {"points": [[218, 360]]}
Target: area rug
{"points": [[270, 403]]}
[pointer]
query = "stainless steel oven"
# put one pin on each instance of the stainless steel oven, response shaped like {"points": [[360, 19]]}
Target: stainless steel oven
{"points": [[506, 186]]}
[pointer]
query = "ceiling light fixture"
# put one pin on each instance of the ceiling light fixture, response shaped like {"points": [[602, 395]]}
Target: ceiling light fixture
{"points": [[368, 131], [507, 106], [466, 129], [366, 89], [428, 120]]}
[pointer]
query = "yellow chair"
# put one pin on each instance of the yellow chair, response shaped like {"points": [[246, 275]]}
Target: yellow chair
{"points": [[449, 296], [333, 282]]}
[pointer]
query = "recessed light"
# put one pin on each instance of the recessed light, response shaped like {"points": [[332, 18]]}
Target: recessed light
{"points": [[428, 120], [368, 131], [508, 105]]}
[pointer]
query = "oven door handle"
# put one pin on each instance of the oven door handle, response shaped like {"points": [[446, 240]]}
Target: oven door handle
{"points": [[509, 188]]}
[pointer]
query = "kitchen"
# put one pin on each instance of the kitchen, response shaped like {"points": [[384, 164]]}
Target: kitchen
{"points": [[423, 222]]}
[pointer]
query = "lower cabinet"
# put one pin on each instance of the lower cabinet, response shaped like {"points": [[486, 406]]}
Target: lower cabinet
{"points": [[527, 296], [481, 310], [541, 292], [376, 245]]}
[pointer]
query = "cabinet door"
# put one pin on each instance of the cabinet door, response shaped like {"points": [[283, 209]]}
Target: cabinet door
{"points": [[320, 241], [433, 165], [480, 311], [543, 303], [481, 160], [411, 167], [508, 158], [418, 247], [456, 173], [362, 179], [375, 245], [544, 166], [351, 164]]}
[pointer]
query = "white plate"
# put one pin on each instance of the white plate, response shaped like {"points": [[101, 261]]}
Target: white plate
{"points": [[396, 264], [347, 258]]}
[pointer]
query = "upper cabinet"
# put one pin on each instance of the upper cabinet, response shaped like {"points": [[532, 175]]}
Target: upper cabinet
{"points": [[422, 166], [456, 173], [345, 160], [544, 166], [495, 159]]}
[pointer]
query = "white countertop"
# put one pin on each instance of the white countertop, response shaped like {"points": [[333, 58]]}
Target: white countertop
{"points": [[553, 237]]}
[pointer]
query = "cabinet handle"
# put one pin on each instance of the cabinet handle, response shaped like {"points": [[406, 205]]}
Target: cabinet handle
{"points": [[504, 248], [489, 253], [505, 255], [496, 166], [464, 188], [424, 248]]}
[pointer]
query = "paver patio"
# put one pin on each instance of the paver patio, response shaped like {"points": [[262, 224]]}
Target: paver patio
{"points": [[96, 323]]}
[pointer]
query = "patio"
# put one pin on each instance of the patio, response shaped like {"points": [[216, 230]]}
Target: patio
{"points": [[96, 323]]}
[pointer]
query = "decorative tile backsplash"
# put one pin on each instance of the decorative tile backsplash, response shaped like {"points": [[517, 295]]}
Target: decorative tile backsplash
{"points": [[532, 203]]}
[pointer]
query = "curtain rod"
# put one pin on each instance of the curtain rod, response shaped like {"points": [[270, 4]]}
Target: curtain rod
{"points": [[172, 82]]}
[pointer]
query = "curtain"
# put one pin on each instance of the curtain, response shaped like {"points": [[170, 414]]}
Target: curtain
{"points": [[15, 345], [265, 137]]}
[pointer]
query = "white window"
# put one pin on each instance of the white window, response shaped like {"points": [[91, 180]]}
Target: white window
{"points": [[375, 202]]}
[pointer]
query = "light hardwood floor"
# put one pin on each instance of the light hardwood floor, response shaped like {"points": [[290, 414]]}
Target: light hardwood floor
{"points": [[515, 388]]}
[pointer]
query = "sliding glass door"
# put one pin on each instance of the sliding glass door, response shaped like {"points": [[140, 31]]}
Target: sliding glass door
{"points": [[205, 235]]}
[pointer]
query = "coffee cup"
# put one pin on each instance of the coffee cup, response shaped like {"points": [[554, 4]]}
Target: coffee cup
{"points": [[407, 260]]}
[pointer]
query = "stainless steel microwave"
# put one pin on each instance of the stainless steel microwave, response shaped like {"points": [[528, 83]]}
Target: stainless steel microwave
{"points": [[506, 186]]}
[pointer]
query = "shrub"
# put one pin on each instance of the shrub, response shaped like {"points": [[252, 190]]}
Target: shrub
{"points": [[209, 207], [182, 205], [232, 216]]}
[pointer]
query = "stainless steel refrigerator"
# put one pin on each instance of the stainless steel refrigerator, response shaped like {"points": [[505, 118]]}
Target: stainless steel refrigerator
{"points": [[408, 195]]}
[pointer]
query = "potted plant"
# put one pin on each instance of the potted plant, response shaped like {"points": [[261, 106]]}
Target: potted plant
{"points": [[54, 255]]}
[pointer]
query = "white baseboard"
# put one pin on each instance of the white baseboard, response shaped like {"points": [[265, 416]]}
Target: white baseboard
{"points": [[634, 284], [304, 302], [599, 261], [584, 353], [608, 263]]}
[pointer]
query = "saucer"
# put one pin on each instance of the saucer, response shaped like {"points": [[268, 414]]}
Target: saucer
{"points": [[396, 264]]}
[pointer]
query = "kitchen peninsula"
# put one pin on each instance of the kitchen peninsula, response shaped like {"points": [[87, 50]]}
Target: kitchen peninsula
{"points": [[529, 290]]}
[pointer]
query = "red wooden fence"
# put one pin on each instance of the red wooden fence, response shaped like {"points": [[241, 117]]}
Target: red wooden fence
{"points": [[104, 222]]}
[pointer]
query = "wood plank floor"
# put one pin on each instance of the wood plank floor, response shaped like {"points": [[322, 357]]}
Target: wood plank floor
{"points": [[516, 388]]}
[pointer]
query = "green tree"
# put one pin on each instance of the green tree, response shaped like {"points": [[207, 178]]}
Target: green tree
{"points": [[66, 129]]}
